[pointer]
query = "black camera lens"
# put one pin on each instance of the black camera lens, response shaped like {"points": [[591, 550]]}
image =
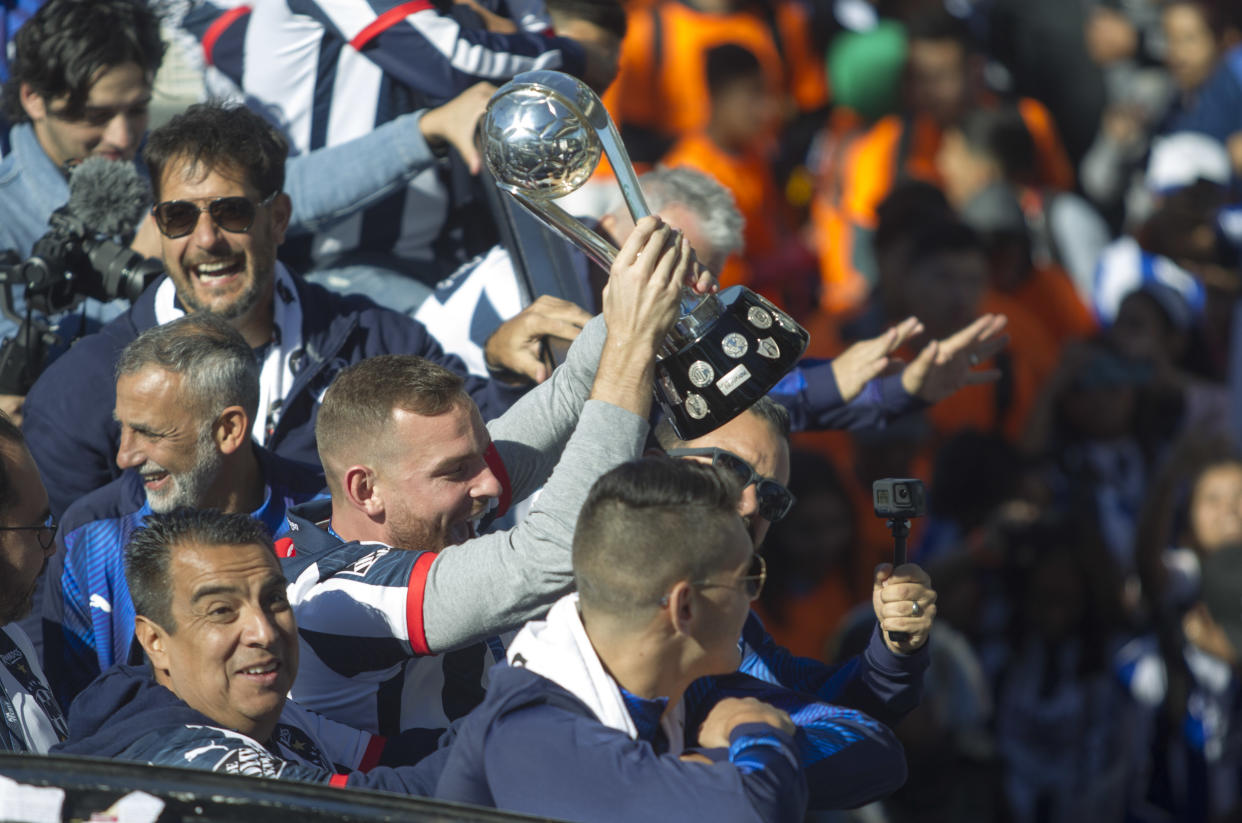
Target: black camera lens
{"points": [[901, 492]]}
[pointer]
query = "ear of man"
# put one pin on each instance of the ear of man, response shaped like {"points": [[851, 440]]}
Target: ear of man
{"points": [[151, 636], [361, 490], [231, 430], [682, 612], [32, 102], [282, 212]]}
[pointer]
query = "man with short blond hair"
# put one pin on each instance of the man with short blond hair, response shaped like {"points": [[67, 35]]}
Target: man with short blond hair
{"points": [[400, 596]]}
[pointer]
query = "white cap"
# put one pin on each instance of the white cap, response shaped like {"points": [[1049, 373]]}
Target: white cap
{"points": [[1182, 159]]}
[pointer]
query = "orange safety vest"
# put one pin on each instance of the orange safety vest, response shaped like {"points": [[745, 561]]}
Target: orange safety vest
{"points": [[661, 87], [859, 172]]}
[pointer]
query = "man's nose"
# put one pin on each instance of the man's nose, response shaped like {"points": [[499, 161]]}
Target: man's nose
{"points": [[119, 135], [486, 484], [258, 627], [748, 504], [127, 454]]}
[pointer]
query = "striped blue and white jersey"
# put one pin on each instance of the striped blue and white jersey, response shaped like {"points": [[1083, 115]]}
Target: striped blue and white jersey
{"points": [[365, 659], [328, 71], [1192, 771], [88, 612]]}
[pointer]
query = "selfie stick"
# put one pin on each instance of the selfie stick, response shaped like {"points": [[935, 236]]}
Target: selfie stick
{"points": [[900, 527]]}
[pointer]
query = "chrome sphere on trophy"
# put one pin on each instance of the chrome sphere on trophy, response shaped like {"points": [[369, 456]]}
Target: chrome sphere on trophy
{"points": [[543, 135]]}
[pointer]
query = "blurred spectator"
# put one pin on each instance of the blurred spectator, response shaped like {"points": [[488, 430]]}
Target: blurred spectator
{"points": [[973, 475], [942, 83], [731, 150], [661, 91], [1195, 34], [813, 575], [1097, 430], [1217, 109], [986, 162], [1183, 676], [1043, 287], [1058, 731], [936, 267], [1179, 245]]}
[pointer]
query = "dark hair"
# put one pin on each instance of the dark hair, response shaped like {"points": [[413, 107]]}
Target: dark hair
{"points": [[1001, 135], [62, 48], [217, 136], [937, 24], [910, 203], [609, 15], [1072, 541], [973, 473], [216, 363], [646, 525], [359, 403], [147, 555], [729, 63], [943, 235], [11, 433]]}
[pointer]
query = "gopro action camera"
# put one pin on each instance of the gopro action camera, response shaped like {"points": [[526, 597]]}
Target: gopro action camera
{"points": [[901, 498]]}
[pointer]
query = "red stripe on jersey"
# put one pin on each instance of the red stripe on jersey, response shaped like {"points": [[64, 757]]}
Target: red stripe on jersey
{"points": [[218, 28], [339, 780], [371, 757], [414, 602], [285, 547], [386, 21], [492, 456]]}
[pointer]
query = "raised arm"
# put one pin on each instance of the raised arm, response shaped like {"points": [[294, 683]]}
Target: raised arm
{"points": [[497, 581]]}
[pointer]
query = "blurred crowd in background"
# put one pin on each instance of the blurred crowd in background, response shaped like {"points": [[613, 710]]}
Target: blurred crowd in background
{"points": [[1074, 166]]}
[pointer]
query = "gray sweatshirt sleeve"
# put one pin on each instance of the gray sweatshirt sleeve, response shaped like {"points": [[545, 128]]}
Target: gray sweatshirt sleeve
{"points": [[531, 435], [496, 582], [332, 183]]}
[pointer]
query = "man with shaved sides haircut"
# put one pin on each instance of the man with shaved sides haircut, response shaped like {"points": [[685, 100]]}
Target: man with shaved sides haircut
{"points": [[399, 596], [617, 685]]}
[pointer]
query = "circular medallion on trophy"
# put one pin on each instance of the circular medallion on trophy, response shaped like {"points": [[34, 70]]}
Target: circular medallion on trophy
{"points": [[734, 345], [696, 406], [759, 318], [701, 373], [768, 348]]}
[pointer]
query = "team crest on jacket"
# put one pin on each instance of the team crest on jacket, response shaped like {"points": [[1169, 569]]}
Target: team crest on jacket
{"points": [[250, 762], [362, 565]]}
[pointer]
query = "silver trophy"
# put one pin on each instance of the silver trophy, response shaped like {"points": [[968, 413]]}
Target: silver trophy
{"points": [[543, 135]]}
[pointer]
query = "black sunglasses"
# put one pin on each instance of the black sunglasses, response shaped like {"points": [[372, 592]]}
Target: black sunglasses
{"points": [[45, 532], [177, 218], [775, 500]]}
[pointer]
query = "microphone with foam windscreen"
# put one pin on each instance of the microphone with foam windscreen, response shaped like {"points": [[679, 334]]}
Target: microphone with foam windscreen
{"points": [[108, 197]]}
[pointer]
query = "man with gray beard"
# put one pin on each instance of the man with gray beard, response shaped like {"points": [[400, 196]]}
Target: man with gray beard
{"points": [[186, 395]]}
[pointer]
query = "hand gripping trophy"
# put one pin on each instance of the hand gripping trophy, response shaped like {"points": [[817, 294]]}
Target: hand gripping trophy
{"points": [[542, 135]]}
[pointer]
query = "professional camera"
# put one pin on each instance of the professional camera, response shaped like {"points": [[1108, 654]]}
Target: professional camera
{"points": [[899, 497], [79, 257]]}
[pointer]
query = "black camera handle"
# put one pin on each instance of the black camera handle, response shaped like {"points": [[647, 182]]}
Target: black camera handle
{"points": [[900, 528]]}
